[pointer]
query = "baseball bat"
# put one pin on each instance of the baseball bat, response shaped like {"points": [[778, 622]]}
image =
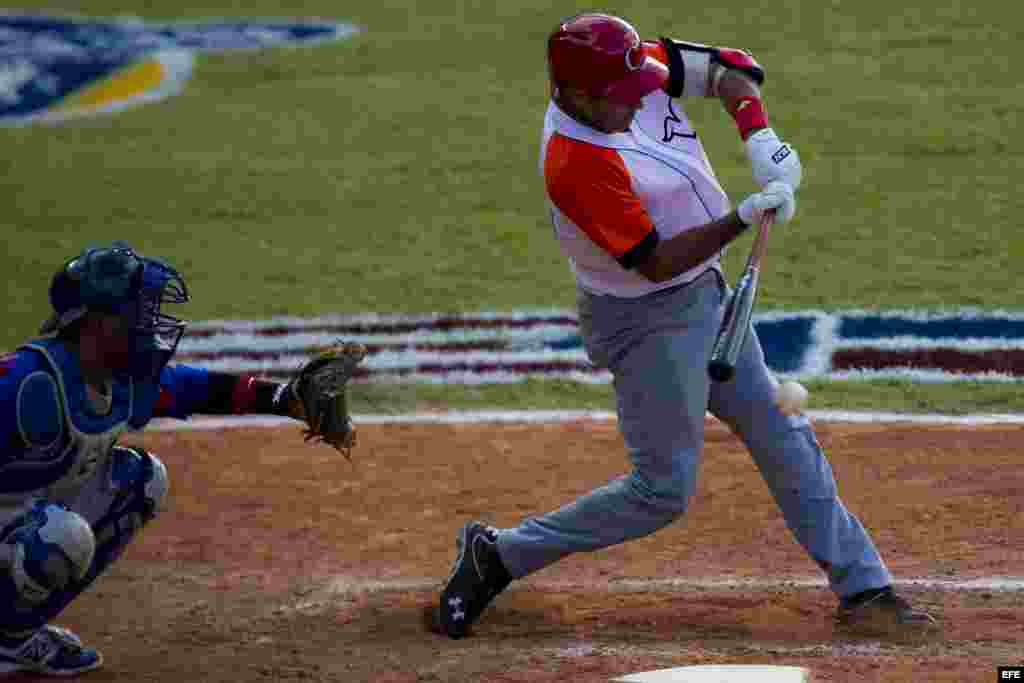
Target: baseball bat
{"points": [[732, 333]]}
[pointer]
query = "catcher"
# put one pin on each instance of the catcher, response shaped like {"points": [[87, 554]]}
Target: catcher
{"points": [[70, 498]]}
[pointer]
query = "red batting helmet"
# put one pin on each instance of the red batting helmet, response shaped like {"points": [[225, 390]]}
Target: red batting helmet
{"points": [[603, 56]]}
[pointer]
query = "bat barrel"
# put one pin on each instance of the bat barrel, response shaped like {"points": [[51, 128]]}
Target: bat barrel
{"points": [[733, 332]]}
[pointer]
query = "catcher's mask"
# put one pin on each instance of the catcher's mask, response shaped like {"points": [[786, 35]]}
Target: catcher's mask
{"points": [[116, 281]]}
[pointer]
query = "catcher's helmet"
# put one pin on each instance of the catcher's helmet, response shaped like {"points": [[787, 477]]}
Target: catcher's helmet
{"points": [[602, 55], [117, 280]]}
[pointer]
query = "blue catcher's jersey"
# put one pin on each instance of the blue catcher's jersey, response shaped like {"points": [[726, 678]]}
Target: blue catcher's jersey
{"points": [[50, 439]]}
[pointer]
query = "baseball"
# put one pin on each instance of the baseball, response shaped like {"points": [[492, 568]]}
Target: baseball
{"points": [[790, 397]]}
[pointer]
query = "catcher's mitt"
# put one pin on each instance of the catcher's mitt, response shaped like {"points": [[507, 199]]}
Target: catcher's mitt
{"points": [[316, 395]]}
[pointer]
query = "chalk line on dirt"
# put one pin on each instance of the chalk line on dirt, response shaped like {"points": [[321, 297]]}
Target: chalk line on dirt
{"points": [[348, 585], [561, 416]]}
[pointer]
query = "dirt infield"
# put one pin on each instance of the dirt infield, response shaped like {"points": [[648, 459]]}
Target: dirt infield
{"points": [[280, 561]]}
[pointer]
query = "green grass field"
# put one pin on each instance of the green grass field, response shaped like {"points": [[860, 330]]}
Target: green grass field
{"points": [[396, 171]]}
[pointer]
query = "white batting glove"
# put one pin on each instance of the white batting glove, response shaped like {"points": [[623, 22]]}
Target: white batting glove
{"points": [[776, 195], [772, 159]]}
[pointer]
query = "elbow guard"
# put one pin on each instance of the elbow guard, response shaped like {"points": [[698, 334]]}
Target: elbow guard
{"points": [[692, 66]]}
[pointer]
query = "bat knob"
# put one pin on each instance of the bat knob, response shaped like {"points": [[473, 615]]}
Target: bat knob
{"points": [[720, 371]]}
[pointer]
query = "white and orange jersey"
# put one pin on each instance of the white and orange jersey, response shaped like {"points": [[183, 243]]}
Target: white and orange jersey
{"points": [[613, 196]]}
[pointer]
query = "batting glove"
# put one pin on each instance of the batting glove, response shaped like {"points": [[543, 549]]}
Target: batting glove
{"points": [[772, 159], [776, 195]]}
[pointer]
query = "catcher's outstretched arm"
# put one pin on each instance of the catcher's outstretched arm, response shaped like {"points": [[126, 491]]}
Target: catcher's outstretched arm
{"points": [[186, 390]]}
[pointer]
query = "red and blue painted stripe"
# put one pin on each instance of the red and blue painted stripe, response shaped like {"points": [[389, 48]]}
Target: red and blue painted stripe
{"points": [[476, 348]]}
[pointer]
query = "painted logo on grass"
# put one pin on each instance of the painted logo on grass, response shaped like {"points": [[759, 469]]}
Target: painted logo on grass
{"points": [[56, 67], [482, 348]]}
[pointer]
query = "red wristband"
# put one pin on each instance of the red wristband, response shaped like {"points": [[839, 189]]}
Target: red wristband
{"points": [[749, 115], [244, 395]]}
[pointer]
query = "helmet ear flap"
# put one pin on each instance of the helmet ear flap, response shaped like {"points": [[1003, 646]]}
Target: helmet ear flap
{"points": [[65, 299]]}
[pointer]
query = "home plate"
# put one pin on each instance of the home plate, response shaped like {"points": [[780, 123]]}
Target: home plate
{"points": [[720, 674]]}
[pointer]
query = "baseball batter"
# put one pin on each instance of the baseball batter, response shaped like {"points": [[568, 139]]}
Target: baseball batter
{"points": [[71, 499], [642, 219]]}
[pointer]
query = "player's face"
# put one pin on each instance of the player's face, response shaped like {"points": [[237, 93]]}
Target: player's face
{"points": [[107, 342], [606, 115]]}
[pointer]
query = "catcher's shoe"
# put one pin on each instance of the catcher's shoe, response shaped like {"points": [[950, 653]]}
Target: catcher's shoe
{"points": [[50, 651], [879, 612], [477, 577]]}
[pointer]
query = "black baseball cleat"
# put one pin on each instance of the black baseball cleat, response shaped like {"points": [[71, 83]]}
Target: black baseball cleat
{"points": [[880, 611], [478, 575]]}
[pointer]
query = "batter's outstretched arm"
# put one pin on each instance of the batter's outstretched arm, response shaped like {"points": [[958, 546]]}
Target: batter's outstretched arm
{"points": [[689, 249], [692, 247]]}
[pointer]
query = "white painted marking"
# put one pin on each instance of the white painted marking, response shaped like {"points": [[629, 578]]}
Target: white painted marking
{"points": [[1011, 584], [723, 673], [351, 585], [560, 416]]}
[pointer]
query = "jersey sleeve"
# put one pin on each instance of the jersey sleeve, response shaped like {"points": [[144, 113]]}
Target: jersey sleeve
{"points": [[184, 390], [592, 187]]}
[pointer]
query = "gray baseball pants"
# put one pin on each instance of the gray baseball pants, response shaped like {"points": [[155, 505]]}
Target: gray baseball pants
{"points": [[657, 347]]}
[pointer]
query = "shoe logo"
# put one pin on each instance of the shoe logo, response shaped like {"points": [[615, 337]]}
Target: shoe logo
{"points": [[670, 129], [34, 650], [480, 567], [457, 613]]}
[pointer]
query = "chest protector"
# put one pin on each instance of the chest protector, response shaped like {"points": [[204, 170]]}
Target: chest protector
{"points": [[87, 438]]}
